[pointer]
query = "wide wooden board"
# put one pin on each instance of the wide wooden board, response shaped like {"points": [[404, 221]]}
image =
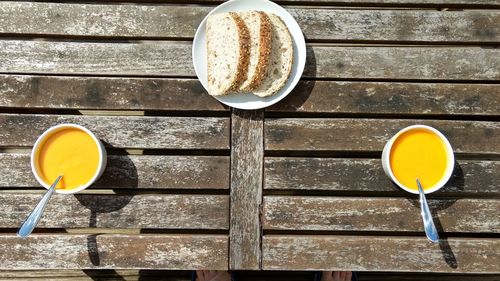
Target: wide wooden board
{"points": [[105, 93], [175, 21], [391, 98], [134, 171], [110, 251], [372, 134], [175, 275], [67, 92], [173, 58], [378, 214], [417, 254], [119, 211], [247, 157], [123, 132], [359, 175]]}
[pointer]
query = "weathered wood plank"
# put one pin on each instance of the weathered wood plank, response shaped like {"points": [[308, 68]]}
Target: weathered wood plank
{"points": [[372, 134], [247, 157], [174, 58], [370, 253], [124, 132], [391, 98], [130, 172], [120, 211], [101, 20], [158, 21], [34, 91], [94, 274], [173, 275], [470, 176], [62, 251], [378, 214], [188, 94], [403, 63], [152, 58], [398, 25]]}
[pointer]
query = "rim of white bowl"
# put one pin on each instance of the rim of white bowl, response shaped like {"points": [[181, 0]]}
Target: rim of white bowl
{"points": [[56, 128]]}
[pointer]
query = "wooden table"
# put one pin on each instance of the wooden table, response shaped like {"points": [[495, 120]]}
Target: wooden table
{"points": [[193, 184]]}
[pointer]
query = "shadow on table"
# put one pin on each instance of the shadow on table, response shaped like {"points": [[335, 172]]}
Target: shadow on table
{"points": [[455, 184], [300, 94], [120, 173]]}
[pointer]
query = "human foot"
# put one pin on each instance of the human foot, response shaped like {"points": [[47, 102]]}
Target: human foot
{"points": [[212, 275], [336, 276]]}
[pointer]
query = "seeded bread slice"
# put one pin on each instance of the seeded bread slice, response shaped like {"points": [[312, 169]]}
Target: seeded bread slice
{"points": [[259, 26], [228, 42], [281, 60]]}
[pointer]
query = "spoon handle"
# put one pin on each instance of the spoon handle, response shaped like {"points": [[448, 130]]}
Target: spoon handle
{"points": [[33, 218], [430, 228]]}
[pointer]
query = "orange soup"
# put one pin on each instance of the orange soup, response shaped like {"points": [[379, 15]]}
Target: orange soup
{"points": [[418, 153], [70, 152]]}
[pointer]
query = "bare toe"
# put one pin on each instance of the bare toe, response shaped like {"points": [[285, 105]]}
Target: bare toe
{"points": [[327, 276]]}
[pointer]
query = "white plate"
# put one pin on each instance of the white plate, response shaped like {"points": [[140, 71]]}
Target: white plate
{"points": [[249, 101]]}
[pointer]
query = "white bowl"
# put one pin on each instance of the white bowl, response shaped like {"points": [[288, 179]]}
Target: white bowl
{"points": [[449, 153], [40, 141], [250, 101]]}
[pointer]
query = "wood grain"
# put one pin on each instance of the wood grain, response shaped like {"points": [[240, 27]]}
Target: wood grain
{"points": [[63, 251], [168, 58], [158, 21], [358, 175], [378, 214], [403, 63], [130, 172], [398, 25], [457, 255], [94, 274], [63, 92], [391, 98], [66, 92], [120, 211], [247, 157], [123, 132], [174, 275], [372, 134]]}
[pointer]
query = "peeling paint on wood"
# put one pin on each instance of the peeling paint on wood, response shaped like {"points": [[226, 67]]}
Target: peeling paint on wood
{"points": [[158, 21], [470, 176], [124, 132], [247, 157], [171, 58], [378, 214], [372, 134], [63, 251], [131, 172], [66, 92], [120, 211], [416, 254], [391, 98]]}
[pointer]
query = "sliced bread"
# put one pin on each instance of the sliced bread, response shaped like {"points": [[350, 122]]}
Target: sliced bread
{"points": [[280, 61], [259, 26], [228, 42]]}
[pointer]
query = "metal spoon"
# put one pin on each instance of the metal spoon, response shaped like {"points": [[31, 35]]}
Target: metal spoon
{"points": [[33, 218], [430, 228]]}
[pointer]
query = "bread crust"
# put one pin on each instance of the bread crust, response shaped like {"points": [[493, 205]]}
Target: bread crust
{"points": [[288, 65], [264, 52], [244, 58]]}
